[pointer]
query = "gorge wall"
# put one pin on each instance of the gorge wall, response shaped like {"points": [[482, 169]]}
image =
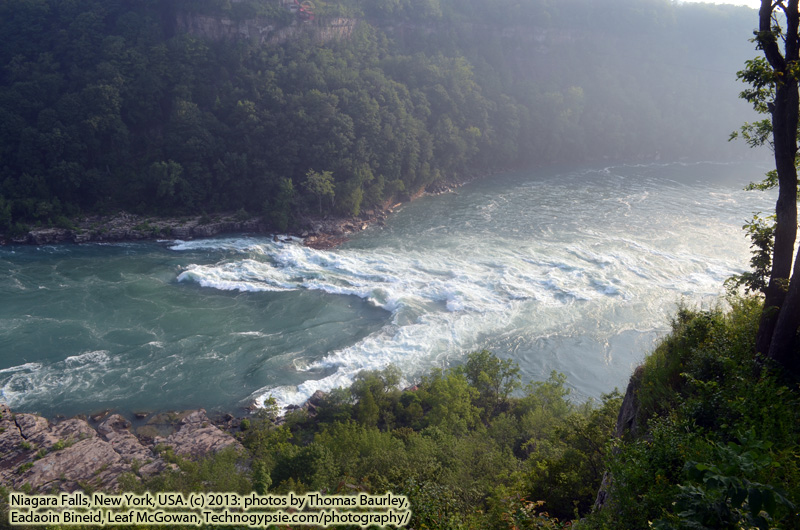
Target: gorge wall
{"points": [[262, 30]]}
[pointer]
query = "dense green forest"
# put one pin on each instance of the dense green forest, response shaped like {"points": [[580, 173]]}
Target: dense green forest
{"points": [[110, 105]]}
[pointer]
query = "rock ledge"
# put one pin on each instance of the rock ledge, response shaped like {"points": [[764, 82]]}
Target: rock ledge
{"points": [[72, 455]]}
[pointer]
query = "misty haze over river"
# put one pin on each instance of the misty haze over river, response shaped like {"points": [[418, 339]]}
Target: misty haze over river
{"points": [[570, 269]]}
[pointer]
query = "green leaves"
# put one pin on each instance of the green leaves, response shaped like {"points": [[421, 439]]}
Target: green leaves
{"points": [[723, 454], [756, 134], [321, 185], [718, 495], [761, 232], [494, 379]]}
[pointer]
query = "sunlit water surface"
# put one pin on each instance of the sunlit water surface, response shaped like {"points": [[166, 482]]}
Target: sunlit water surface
{"points": [[574, 270]]}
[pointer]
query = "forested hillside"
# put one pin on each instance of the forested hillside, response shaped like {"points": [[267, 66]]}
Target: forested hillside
{"points": [[109, 105]]}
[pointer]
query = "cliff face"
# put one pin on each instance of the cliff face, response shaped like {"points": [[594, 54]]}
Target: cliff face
{"points": [[627, 426], [261, 30], [526, 50]]}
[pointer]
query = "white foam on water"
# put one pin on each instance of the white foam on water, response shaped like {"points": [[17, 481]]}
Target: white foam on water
{"points": [[444, 301], [34, 381], [256, 334], [98, 357], [535, 262], [438, 306], [21, 368]]}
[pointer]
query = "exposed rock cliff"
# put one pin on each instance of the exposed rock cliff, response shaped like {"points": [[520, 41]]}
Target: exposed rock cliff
{"points": [[260, 30], [627, 426]]}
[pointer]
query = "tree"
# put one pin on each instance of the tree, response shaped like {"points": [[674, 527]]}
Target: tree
{"points": [[374, 392], [320, 185], [279, 209], [448, 398], [775, 90], [494, 379]]}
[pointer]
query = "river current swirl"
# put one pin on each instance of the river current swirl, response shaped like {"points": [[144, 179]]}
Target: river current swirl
{"points": [[574, 270]]}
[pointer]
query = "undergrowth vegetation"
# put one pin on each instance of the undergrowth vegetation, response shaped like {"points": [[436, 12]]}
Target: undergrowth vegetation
{"points": [[465, 452], [720, 428]]}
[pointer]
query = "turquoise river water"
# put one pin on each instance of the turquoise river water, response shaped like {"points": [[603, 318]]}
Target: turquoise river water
{"points": [[570, 269]]}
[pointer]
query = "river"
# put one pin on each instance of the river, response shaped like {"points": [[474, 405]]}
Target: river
{"points": [[573, 269]]}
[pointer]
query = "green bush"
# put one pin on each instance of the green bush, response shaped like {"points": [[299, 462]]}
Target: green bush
{"points": [[722, 494], [222, 471]]}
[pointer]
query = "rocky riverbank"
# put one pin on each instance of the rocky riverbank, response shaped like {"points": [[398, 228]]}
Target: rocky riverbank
{"points": [[80, 453], [324, 232], [316, 232], [65, 455]]}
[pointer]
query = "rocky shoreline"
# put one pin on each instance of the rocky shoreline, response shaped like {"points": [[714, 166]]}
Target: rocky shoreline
{"points": [[316, 232], [37, 455], [125, 227], [68, 454]]}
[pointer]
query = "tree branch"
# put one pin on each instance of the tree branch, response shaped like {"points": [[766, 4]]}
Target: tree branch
{"points": [[766, 37]]}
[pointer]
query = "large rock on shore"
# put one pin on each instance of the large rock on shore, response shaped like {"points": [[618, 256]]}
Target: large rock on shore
{"points": [[195, 436], [71, 455], [91, 462]]}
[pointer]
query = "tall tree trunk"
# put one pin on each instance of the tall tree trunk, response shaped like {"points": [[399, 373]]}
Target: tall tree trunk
{"points": [[784, 114], [784, 110], [782, 349]]}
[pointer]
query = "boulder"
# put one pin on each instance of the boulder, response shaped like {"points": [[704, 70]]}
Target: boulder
{"points": [[35, 430], [14, 449], [316, 398], [73, 430], [89, 462], [115, 430], [196, 436], [98, 417]]}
